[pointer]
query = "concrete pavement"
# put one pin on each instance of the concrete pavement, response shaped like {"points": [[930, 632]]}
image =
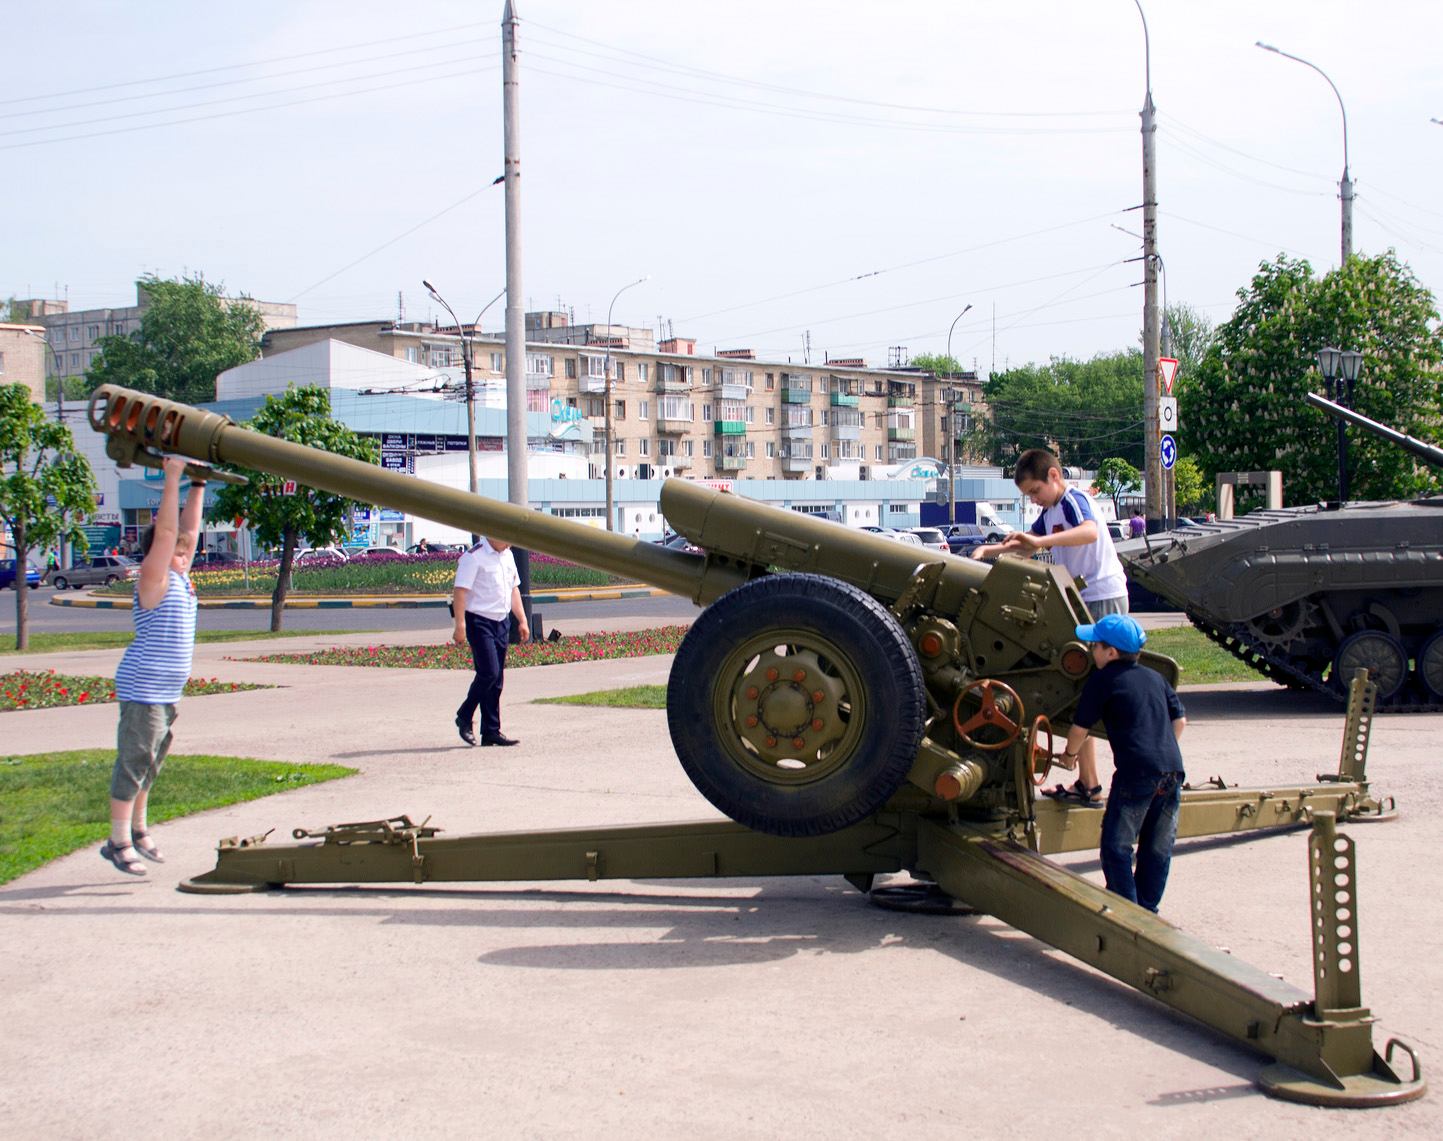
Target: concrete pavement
{"points": [[676, 1008]]}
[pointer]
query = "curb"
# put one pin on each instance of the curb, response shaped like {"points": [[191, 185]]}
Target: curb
{"points": [[87, 601]]}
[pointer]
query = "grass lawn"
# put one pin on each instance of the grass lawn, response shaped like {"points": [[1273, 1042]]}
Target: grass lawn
{"points": [[118, 639], [55, 803], [634, 697]]}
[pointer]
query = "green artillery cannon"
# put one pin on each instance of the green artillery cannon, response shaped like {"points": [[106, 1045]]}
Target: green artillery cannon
{"points": [[857, 708]]}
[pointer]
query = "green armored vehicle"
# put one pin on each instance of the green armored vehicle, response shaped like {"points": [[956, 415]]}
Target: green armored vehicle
{"points": [[1308, 595]]}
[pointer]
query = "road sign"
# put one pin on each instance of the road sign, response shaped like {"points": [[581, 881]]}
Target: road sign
{"points": [[1167, 414], [1169, 452], [1166, 374]]}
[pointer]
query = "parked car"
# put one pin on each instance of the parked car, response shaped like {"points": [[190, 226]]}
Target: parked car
{"points": [[932, 537], [215, 559], [1119, 531], [319, 556], [7, 574], [436, 549], [903, 537], [381, 552], [975, 533], [680, 543], [92, 572]]}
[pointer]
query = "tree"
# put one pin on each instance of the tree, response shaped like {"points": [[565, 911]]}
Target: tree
{"points": [[189, 333], [1190, 493], [46, 489], [1086, 411], [302, 416], [1189, 334], [939, 363], [1114, 477], [1246, 410]]}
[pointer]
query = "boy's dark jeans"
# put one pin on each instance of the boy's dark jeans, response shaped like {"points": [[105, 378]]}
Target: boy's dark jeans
{"points": [[1141, 812]]}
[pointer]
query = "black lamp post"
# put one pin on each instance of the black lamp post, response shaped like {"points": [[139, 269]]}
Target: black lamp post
{"points": [[1340, 368]]}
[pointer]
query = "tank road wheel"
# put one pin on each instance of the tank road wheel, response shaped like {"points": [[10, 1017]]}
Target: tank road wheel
{"points": [[1382, 655], [796, 704], [1430, 666]]}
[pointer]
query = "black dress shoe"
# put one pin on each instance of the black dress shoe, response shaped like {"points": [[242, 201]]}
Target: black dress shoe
{"points": [[498, 739], [466, 734]]}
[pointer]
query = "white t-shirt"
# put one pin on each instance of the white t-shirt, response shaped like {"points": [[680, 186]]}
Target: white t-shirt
{"points": [[488, 577], [1097, 562]]}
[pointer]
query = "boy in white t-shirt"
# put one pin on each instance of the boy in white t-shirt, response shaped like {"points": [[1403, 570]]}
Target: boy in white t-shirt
{"points": [[1070, 528]]}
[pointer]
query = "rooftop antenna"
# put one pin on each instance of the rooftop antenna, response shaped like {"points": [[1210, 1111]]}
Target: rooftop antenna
{"points": [[400, 308], [806, 346]]}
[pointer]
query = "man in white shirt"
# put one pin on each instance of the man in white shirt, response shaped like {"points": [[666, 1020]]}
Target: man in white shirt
{"points": [[487, 593]]}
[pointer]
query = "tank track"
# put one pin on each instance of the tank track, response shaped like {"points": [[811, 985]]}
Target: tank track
{"points": [[1278, 668]]}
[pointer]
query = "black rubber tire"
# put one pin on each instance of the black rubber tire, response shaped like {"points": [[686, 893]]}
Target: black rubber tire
{"points": [[872, 664], [1380, 653], [60, 581], [1430, 666]]}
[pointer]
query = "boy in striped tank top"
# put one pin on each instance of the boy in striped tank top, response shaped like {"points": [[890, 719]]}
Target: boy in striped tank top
{"points": [[155, 668]]}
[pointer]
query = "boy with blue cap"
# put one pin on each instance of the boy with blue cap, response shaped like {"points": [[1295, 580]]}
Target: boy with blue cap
{"points": [[1144, 719]]}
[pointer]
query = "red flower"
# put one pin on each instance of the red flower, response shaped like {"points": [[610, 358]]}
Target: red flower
{"points": [[83, 696]]}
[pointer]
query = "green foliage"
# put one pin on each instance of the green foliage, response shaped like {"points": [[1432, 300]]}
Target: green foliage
{"points": [[56, 803], [939, 363], [1190, 333], [1114, 477], [302, 416], [1085, 411], [1246, 412], [46, 490], [189, 334], [1191, 492]]}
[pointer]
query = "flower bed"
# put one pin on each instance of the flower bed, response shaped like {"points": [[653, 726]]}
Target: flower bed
{"points": [[449, 656], [24, 689], [374, 574]]}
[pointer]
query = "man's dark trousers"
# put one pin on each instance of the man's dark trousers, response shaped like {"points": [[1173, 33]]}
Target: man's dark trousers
{"points": [[487, 638]]}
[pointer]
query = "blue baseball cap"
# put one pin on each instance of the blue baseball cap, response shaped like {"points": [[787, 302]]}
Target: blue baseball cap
{"points": [[1116, 630]]}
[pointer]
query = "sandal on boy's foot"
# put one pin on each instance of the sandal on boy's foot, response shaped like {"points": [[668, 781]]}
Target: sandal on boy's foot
{"points": [[152, 853], [116, 855], [1076, 793]]}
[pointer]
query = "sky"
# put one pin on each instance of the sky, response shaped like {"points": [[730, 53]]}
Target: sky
{"points": [[802, 179]]}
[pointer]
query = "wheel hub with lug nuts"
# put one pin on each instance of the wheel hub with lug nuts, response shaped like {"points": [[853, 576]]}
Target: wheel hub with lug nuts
{"points": [[789, 711]]}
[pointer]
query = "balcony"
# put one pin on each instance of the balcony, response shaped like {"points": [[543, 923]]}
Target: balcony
{"points": [[730, 427], [669, 427], [796, 431], [592, 384], [731, 463], [732, 391], [900, 401], [796, 396], [664, 386], [676, 463], [538, 382], [846, 431], [839, 400], [796, 463], [901, 433]]}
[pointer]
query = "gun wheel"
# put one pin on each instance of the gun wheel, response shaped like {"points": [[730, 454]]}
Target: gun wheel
{"points": [[796, 704]]}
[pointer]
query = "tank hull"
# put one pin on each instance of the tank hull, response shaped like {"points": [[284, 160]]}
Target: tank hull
{"points": [[1306, 594]]}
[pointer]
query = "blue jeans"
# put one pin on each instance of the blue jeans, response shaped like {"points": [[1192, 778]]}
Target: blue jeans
{"points": [[1142, 813]]}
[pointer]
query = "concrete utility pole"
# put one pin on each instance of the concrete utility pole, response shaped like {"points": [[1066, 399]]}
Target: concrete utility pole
{"points": [[1345, 185], [516, 474], [1151, 313], [952, 424]]}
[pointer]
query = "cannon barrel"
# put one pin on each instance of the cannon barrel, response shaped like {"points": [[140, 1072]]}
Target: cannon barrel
{"points": [[1425, 451], [741, 538]]}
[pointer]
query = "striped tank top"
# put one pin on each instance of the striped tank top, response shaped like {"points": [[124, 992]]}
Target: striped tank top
{"points": [[156, 665]]}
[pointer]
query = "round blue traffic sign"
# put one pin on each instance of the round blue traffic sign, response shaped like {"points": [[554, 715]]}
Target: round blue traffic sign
{"points": [[1169, 452]]}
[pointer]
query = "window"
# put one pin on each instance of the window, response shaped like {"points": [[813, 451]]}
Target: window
{"points": [[665, 448], [91, 332], [440, 356], [74, 359], [797, 416], [118, 328], [596, 406], [538, 400], [751, 450], [771, 450], [706, 449], [731, 410], [621, 447], [771, 381], [595, 366], [75, 332], [413, 354], [538, 365], [771, 415], [621, 371], [619, 412], [497, 362], [690, 372], [751, 414], [674, 408], [643, 447], [825, 454], [706, 413], [570, 369], [879, 453], [644, 412], [666, 373], [706, 376], [640, 372], [686, 448]]}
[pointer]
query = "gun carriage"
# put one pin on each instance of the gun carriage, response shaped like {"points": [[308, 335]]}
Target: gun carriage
{"points": [[857, 708]]}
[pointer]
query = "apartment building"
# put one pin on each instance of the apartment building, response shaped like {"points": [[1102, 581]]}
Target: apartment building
{"points": [[22, 358], [72, 335], [678, 412]]}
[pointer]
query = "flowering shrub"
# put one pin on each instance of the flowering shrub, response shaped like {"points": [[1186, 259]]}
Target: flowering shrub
{"points": [[26, 690], [373, 574], [449, 656]]}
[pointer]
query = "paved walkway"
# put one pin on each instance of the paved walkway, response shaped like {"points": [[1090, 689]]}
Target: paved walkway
{"points": [[668, 1008]]}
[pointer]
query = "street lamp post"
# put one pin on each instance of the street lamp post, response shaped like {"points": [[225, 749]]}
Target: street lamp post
{"points": [[1151, 314], [467, 354], [1341, 368], [1345, 186], [610, 504], [952, 422]]}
